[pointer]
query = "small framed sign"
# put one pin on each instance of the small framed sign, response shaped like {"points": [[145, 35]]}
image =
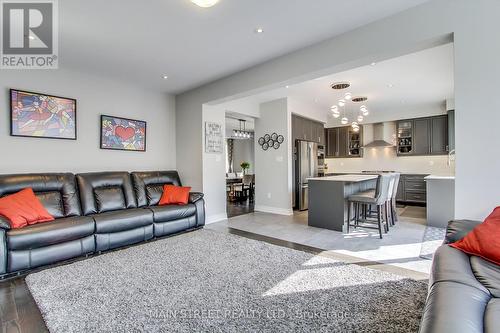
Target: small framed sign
{"points": [[213, 138]]}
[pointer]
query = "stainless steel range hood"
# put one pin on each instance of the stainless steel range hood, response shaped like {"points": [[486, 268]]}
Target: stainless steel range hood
{"points": [[383, 135]]}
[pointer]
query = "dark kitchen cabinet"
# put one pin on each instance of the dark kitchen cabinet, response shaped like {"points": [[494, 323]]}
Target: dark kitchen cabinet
{"points": [[412, 189], [308, 130], [332, 141], [421, 136], [439, 135], [342, 142], [355, 142], [319, 133]]}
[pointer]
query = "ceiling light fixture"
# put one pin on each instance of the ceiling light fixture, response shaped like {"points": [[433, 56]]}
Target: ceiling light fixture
{"points": [[242, 133], [165, 77], [360, 118], [344, 120], [205, 3], [259, 30], [390, 85], [287, 87], [348, 96], [373, 63], [341, 102], [340, 85]]}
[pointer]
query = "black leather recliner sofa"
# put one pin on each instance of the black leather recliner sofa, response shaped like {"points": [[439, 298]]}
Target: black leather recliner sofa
{"points": [[464, 291], [94, 212]]}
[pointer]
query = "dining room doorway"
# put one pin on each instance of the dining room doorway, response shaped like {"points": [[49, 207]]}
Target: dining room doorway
{"points": [[240, 175]]}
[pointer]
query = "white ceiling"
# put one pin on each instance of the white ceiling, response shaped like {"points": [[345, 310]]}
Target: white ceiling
{"points": [[140, 41], [422, 82]]}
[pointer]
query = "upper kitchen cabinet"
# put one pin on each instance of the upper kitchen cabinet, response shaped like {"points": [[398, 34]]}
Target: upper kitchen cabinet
{"points": [[307, 130], [332, 142], [423, 136], [342, 142], [439, 135]]}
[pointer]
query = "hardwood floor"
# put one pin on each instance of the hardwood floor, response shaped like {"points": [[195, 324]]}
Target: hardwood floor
{"points": [[239, 208], [18, 310]]}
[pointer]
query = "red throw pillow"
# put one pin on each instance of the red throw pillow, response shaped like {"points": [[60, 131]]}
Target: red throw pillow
{"points": [[23, 208], [174, 195], [483, 240]]}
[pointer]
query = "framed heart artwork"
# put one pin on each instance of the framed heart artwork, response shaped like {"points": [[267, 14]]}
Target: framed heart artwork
{"points": [[123, 134]]}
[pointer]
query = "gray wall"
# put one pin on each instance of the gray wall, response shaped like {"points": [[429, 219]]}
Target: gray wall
{"points": [[473, 25], [243, 151], [272, 167], [95, 96]]}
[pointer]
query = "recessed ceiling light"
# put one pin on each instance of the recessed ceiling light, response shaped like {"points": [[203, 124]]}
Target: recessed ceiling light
{"points": [[259, 30], [31, 37], [205, 3], [373, 63], [165, 77], [390, 85]]}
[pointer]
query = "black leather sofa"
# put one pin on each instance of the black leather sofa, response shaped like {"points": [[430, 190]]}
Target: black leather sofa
{"points": [[94, 212], [464, 290]]}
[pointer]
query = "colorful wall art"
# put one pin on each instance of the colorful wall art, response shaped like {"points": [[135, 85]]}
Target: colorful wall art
{"points": [[42, 116], [123, 134]]}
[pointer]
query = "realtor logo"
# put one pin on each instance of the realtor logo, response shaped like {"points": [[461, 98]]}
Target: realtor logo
{"points": [[29, 34]]}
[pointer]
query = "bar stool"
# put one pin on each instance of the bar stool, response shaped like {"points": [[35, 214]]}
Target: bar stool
{"points": [[392, 202], [379, 198]]}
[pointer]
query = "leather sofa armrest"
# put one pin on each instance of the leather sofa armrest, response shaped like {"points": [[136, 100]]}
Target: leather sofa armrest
{"points": [[195, 196], [458, 229], [4, 224]]}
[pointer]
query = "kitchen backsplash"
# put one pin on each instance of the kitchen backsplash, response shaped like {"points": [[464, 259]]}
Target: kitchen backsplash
{"points": [[386, 159]]}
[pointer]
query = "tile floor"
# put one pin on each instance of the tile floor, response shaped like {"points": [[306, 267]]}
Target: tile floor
{"points": [[398, 251]]}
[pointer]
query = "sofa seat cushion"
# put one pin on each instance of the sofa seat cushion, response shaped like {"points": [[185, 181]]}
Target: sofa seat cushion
{"points": [[172, 212], [487, 273], [122, 220], [50, 233]]}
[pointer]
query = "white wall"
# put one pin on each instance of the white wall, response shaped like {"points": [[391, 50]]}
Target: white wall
{"points": [[243, 151], [95, 96], [214, 167], [273, 185], [471, 24]]}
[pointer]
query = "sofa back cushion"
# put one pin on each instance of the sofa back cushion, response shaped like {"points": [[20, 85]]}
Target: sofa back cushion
{"points": [[56, 191], [105, 191], [148, 186]]}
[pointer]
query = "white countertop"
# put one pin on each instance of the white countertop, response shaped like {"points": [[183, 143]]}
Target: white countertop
{"points": [[346, 178], [433, 177]]}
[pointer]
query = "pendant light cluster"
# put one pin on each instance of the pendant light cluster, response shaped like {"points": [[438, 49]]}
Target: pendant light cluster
{"points": [[242, 133], [342, 108]]}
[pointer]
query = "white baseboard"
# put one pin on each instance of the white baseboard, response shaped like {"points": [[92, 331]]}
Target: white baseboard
{"points": [[215, 218], [273, 210]]}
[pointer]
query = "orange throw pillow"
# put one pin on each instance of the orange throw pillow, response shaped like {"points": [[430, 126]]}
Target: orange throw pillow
{"points": [[23, 208], [174, 195], [483, 240]]}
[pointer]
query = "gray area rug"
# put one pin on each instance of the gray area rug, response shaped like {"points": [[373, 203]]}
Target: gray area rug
{"points": [[206, 281], [433, 238]]}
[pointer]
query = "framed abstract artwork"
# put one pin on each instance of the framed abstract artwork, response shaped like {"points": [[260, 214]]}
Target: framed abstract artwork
{"points": [[123, 134], [42, 116]]}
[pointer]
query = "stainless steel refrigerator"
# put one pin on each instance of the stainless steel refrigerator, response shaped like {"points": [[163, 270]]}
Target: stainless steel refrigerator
{"points": [[306, 166]]}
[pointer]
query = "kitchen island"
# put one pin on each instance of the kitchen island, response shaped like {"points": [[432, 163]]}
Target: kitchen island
{"points": [[327, 198]]}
